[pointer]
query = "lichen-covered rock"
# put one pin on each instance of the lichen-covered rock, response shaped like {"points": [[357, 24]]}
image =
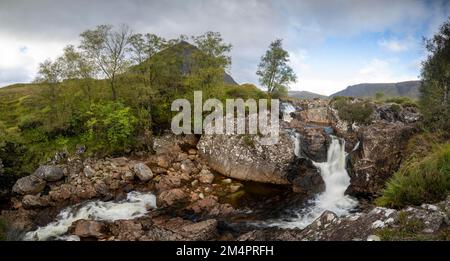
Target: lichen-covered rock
{"points": [[49, 173], [205, 176], [244, 157], [29, 185]]}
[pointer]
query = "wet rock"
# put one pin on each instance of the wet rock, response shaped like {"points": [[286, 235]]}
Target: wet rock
{"points": [[171, 197], [49, 173], [306, 178], [126, 230], [143, 172], [206, 176], [29, 185], [87, 228]]}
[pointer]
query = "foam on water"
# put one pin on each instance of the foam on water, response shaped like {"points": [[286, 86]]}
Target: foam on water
{"points": [[135, 205]]}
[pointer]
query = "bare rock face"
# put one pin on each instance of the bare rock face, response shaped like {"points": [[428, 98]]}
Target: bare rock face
{"points": [[379, 156], [243, 157], [49, 173], [29, 185]]}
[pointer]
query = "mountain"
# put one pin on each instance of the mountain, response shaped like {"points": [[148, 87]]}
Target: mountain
{"points": [[182, 54], [305, 95], [408, 89]]}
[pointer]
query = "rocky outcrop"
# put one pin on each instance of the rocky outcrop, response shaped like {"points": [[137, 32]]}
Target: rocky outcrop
{"points": [[243, 157], [427, 222], [381, 145], [29, 185]]}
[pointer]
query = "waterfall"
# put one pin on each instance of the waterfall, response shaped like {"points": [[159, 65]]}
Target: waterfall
{"points": [[135, 205], [336, 180], [296, 138], [286, 109]]}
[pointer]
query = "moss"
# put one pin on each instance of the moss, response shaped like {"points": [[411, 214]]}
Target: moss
{"points": [[248, 140]]}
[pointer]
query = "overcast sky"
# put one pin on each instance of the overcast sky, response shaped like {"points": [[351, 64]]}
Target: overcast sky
{"points": [[332, 44]]}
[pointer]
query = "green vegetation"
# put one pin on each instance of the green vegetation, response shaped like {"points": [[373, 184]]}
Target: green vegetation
{"points": [[111, 94], [434, 91], [274, 72], [424, 175], [403, 101], [352, 111], [419, 180]]}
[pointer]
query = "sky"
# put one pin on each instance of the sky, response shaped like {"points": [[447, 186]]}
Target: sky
{"points": [[332, 44]]}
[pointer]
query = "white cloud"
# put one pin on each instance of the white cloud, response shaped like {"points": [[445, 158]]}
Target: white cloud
{"points": [[393, 45]]}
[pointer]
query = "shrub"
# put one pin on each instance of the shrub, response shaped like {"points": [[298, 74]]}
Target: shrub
{"points": [[419, 180], [111, 124], [353, 111]]}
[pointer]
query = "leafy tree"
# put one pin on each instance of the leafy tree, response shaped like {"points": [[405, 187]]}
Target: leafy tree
{"points": [[142, 47], [211, 44], [434, 91], [107, 49], [77, 66], [51, 74], [111, 124], [273, 70]]}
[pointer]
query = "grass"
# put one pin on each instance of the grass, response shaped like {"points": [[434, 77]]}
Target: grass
{"points": [[420, 179]]}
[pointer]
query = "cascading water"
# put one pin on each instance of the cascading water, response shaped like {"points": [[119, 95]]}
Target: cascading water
{"points": [[336, 180], [287, 108], [135, 205]]}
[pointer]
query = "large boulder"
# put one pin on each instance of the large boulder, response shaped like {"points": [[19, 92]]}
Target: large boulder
{"points": [[243, 157], [29, 185], [379, 155], [171, 197], [49, 173]]}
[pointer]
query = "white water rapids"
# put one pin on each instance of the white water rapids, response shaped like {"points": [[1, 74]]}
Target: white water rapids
{"points": [[336, 180], [135, 205]]}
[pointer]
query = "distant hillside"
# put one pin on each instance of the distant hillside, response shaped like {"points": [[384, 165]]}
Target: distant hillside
{"points": [[305, 95], [409, 89]]}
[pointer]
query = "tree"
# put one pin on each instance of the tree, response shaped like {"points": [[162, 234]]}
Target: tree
{"points": [[434, 91], [77, 66], [51, 74], [273, 70], [107, 49], [142, 47], [211, 44]]}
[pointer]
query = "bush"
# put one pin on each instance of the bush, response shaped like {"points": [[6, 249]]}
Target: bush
{"points": [[419, 180], [353, 111], [111, 124]]}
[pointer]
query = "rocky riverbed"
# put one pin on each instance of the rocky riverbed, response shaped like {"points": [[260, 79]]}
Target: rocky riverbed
{"points": [[231, 187]]}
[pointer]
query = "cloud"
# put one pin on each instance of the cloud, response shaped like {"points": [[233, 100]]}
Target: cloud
{"points": [[45, 26], [393, 45]]}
